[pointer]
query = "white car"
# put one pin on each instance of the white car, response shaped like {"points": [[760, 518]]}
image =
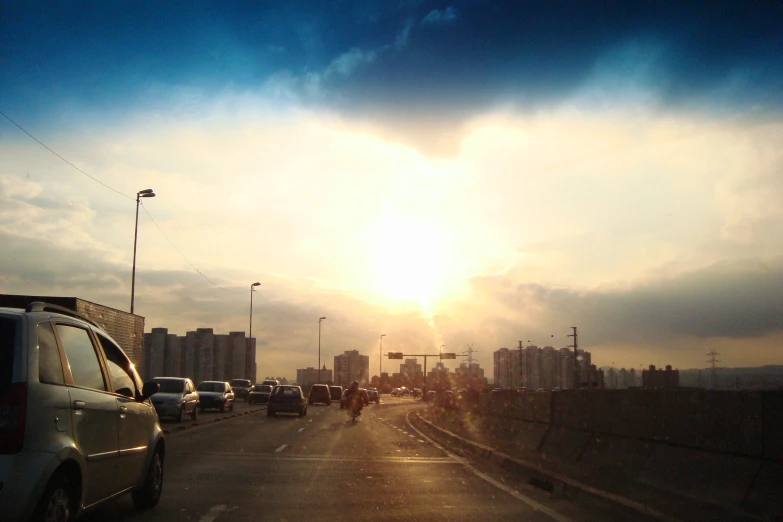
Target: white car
{"points": [[76, 426]]}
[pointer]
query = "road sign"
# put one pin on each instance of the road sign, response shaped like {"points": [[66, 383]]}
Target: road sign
{"points": [[448, 356], [395, 355]]}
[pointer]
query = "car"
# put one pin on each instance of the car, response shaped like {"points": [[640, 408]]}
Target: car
{"points": [[337, 392], [271, 382], [320, 393], [286, 399], [241, 388], [176, 398], [365, 398], [344, 399], [396, 392], [415, 392], [431, 395], [78, 396], [215, 395], [373, 395], [447, 399], [259, 394]]}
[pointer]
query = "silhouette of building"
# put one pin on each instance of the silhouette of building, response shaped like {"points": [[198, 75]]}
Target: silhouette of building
{"points": [[306, 377], [351, 366], [657, 378], [502, 368]]}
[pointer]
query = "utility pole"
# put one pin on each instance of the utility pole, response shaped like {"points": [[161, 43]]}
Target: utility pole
{"points": [[521, 367], [576, 357], [713, 360]]}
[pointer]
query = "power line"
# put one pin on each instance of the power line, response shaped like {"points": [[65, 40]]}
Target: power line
{"points": [[42, 144]]}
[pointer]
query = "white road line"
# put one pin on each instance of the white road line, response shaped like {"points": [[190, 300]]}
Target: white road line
{"points": [[514, 493], [301, 430], [281, 448], [311, 420], [213, 513]]}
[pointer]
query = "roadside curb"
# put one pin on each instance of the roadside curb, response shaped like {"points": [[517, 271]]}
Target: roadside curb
{"points": [[177, 430], [537, 473]]}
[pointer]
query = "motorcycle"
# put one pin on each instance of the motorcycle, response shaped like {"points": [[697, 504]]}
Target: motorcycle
{"points": [[356, 407]]}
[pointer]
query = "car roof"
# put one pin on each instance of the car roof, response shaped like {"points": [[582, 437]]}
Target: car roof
{"points": [[171, 379]]}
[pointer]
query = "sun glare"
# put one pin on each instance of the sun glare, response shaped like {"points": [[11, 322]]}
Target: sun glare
{"points": [[409, 259]]}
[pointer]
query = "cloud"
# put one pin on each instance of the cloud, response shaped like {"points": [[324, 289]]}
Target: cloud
{"points": [[440, 16], [347, 63]]}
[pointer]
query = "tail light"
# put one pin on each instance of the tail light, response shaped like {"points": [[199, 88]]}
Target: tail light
{"points": [[13, 411]]}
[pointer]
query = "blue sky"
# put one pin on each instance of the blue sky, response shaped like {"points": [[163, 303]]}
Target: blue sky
{"points": [[442, 172]]}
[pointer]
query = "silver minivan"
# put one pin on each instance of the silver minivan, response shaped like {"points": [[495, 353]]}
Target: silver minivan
{"points": [[76, 426]]}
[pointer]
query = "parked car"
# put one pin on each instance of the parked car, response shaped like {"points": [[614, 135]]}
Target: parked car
{"points": [[286, 399], [68, 393], [259, 394], [216, 395], [373, 395], [241, 388], [176, 398], [336, 392], [320, 393]]}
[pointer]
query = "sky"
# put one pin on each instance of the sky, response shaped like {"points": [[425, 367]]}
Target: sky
{"points": [[444, 173]]}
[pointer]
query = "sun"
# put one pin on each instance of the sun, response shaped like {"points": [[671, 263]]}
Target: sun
{"points": [[409, 258]]}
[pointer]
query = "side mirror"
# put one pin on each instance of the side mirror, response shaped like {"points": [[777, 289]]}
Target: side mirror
{"points": [[149, 389]]}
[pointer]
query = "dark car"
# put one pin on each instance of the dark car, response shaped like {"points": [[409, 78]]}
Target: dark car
{"points": [[215, 394], [364, 396], [286, 399], [259, 394], [320, 393], [337, 392], [176, 398], [241, 388], [373, 395]]}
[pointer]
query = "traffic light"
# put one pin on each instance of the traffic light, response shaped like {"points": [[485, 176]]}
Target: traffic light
{"points": [[395, 355]]}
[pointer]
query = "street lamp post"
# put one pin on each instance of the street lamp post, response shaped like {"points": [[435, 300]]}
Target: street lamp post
{"points": [[250, 334], [319, 348], [146, 193], [380, 363]]}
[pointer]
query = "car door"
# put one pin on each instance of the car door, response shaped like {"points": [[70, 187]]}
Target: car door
{"points": [[135, 426], [191, 399], [94, 411]]}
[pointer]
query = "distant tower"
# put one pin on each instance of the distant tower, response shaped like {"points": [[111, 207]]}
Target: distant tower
{"points": [[713, 360]]}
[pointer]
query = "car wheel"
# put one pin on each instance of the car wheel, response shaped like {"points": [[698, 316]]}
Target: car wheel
{"points": [[302, 412], [194, 414], [58, 502], [148, 494], [181, 414], [231, 408], [270, 413]]}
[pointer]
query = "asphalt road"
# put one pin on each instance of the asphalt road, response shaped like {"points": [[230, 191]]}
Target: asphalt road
{"points": [[325, 467]]}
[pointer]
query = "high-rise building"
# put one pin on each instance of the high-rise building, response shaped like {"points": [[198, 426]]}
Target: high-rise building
{"points": [[549, 366], [155, 353], [567, 369], [532, 367], [173, 365], [222, 358], [237, 345], [412, 369], [502, 368], [351, 366], [205, 353], [306, 377], [659, 378], [622, 378], [250, 360]]}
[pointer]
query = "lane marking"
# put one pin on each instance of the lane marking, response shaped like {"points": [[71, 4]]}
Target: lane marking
{"points": [[301, 430], [213, 513], [514, 493], [322, 458], [281, 448], [311, 420]]}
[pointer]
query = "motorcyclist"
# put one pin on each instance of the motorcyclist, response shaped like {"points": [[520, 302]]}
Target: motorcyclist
{"points": [[353, 397]]}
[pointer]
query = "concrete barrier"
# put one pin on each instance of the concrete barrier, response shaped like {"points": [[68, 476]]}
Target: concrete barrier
{"points": [[565, 443], [765, 495], [716, 420], [537, 406], [528, 438], [571, 410], [773, 425], [626, 413], [710, 477], [620, 458]]}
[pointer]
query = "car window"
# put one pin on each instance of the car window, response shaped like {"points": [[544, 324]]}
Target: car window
{"points": [[119, 368], [50, 366], [7, 346], [211, 387], [288, 392], [188, 388], [82, 358]]}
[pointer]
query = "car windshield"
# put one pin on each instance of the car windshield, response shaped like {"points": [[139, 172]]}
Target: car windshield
{"points": [[262, 388], [170, 385], [212, 387], [240, 382], [7, 343]]}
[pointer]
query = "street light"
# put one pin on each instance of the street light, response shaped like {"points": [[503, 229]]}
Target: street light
{"points": [[146, 193], [380, 362], [250, 335], [319, 349]]}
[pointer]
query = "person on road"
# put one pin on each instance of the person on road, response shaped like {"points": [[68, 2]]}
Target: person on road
{"points": [[354, 397]]}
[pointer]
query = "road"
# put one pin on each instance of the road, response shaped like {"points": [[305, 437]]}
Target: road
{"points": [[325, 467]]}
